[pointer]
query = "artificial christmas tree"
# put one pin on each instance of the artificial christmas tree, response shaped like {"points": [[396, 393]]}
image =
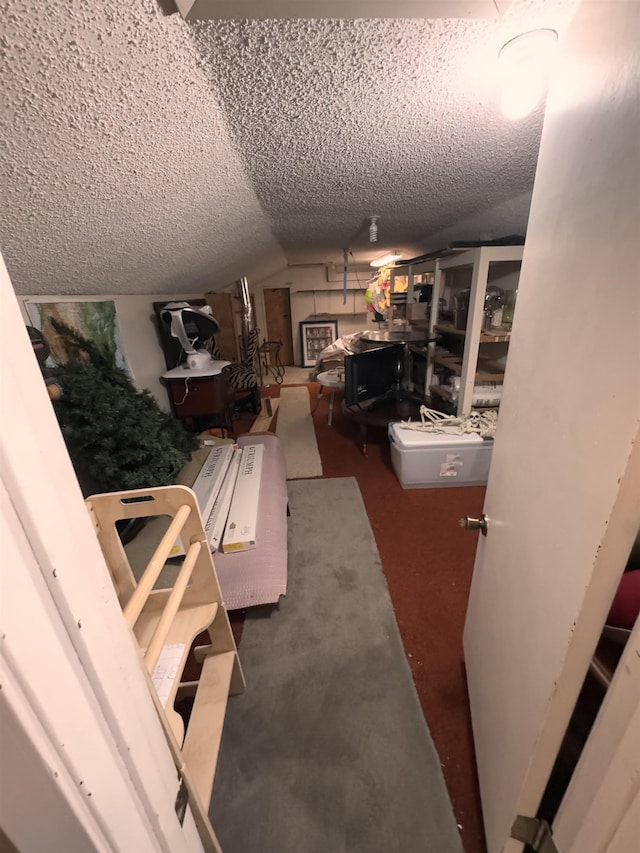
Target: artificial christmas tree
{"points": [[118, 438]]}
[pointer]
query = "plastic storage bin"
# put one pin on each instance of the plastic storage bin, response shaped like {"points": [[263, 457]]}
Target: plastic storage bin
{"points": [[424, 460]]}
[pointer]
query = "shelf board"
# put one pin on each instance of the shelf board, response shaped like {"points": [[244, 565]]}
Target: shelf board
{"points": [[491, 337], [204, 732], [189, 621], [445, 394], [489, 376], [451, 362], [335, 315], [454, 364], [419, 349], [441, 391], [495, 336], [448, 329]]}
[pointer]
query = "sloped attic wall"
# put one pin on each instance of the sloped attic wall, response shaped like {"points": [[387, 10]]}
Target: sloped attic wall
{"points": [[118, 173]]}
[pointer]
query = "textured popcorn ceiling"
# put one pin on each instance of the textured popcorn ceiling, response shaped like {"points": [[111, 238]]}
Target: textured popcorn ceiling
{"points": [[141, 154], [118, 172]]}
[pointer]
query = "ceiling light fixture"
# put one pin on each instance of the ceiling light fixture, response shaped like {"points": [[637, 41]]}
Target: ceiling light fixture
{"points": [[525, 64], [373, 229], [385, 260]]}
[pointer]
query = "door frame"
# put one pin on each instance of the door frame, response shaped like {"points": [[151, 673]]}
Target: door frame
{"points": [[605, 787], [97, 686], [617, 716], [562, 496], [267, 335]]}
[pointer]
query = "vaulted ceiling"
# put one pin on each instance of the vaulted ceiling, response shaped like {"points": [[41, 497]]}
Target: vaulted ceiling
{"points": [[145, 154]]}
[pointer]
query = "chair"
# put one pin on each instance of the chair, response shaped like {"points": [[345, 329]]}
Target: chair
{"points": [[242, 376]]}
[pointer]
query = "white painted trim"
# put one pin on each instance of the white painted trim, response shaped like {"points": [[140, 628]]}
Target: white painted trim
{"points": [[194, 10], [81, 603], [475, 319], [628, 832], [607, 778], [43, 671], [31, 762], [491, 254], [433, 320]]}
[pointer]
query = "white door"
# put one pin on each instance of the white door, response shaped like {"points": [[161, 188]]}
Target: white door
{"points": [[602, 803], [78, 728], [562, 499]]}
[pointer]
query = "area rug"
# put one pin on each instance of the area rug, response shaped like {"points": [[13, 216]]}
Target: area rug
{"points": [[297, 434], [327, 751], [267, 414]]}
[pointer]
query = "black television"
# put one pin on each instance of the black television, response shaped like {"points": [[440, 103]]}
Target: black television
{"points": [[372, 373]]}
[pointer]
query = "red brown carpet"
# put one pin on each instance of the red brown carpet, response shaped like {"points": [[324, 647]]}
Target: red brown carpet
{"points": [[428, 562]]}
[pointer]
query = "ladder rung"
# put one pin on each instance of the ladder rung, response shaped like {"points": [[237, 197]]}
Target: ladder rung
{"points": [[133, 607], [171, 607]]}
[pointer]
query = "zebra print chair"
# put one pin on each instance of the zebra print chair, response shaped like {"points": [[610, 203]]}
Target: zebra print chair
{"points": [[242, 376]]}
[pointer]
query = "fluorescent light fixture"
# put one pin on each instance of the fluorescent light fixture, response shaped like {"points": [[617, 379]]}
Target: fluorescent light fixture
{"points": [[525, 62], [389, 258]]}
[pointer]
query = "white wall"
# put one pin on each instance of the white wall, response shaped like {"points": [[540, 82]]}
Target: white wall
{"points": [[95, 762], [138, 335], [317, 289], [485, 224], [314, 289], [568, 419]]}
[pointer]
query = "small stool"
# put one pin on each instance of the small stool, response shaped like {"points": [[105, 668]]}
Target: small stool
{"points": [[331, 379]]}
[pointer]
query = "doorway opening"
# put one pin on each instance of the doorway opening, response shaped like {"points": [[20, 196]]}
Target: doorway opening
{"points": [[277, 309], [613, 639]]}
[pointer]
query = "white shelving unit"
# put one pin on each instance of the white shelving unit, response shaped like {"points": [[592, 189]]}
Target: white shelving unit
{"points": [[479, 260], [405, 282], [420, 272]]}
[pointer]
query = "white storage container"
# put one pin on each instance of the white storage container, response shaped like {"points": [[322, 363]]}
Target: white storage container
{"points": [[425, 460]]}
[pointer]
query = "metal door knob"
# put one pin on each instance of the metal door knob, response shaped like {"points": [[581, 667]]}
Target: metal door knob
{"points": [[470, 523]]}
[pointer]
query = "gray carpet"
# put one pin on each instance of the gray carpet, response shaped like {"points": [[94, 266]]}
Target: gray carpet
{"points": [[328, 751]]}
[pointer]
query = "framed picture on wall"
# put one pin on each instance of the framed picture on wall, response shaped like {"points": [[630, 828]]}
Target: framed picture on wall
{"points": [[315, 335], [94, 319]]}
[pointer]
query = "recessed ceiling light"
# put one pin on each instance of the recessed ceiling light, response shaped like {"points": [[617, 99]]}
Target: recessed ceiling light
{"points": [[383, 261], [525, 63]]}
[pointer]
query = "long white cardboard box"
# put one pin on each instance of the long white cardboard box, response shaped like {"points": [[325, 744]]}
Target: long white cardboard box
{"points": [[207, 485], [214, 526], [240, 530]]}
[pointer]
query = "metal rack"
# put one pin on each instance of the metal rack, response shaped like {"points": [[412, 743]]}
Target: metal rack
{"points": [[270, 360]]}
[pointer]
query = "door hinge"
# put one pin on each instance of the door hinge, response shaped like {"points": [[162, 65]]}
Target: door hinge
{"points": [[534, 832], [182, 801]]}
